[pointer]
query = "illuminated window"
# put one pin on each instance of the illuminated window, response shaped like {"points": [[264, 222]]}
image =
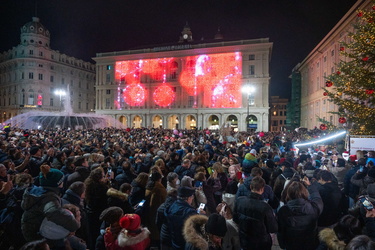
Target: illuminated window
{"points": [[274, 112], [109, 67]]}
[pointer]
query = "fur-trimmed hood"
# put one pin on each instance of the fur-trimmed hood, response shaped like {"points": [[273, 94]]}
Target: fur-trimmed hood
{"points": [[124, 239], [329, 237], [117, 194], [193, 231]]}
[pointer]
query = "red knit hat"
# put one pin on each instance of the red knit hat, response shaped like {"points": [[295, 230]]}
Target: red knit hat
{"points": [[130, 222]]}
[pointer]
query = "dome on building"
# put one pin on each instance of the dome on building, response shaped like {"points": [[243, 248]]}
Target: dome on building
{"points": [[35, 33]]}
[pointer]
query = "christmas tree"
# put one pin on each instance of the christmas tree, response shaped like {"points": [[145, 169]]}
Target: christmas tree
{"points": [[352, 87]]}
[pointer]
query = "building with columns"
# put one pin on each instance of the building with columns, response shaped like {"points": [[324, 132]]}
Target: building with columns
{"points": [[310, 75], [33, 77], [187, 84]]}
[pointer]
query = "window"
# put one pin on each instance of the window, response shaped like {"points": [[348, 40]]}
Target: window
{"points": [[31, 52], [109, 67], [281, 122], [332, 52], [251, 69], [51, 102], [284, 113], [332, 70], [108, 77], [274, 123], [190, 101], [108, 91], [40, 65], [40, 53], [251, 57], [51, 78], [52, 67], [40, 76], [31, 75], [107, 103], [22, 75], [324, 59], [52, 56], [79, 105], [280, 113], [317, 83]]}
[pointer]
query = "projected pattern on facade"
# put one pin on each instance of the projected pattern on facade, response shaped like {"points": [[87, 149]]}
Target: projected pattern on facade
{"points": [[216, 78]]}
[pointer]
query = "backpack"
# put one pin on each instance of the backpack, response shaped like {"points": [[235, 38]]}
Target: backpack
{"points": [[287, 180]]}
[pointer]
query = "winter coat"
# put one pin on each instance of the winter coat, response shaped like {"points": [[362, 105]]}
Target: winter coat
{"points": [[268, 195], [195, 238], [126, 240], [117, 198], [161, 221], [182, 171], [126, 177], [363, 182], [156, 196], [278, 188], [43, 202], [231, 240], [35, 163], [335, 204], [72, 198], [350, 189], [209, 188], [298, 220], [137, 194], [176, 215], [80, 174], [328, 240], [256, 221]]}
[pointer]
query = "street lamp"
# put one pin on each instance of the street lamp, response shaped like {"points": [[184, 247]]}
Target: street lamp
{"points": [[60, 93], [248, 90]]}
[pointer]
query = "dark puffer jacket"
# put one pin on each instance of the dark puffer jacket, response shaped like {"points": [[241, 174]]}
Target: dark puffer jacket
{"points": [[41, 202], [298, 221], [256, 221]]}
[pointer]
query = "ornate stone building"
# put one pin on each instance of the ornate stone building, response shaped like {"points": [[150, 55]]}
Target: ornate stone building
{"points": [[189, 84], [31, 74], [278, 110], [320, 63]]}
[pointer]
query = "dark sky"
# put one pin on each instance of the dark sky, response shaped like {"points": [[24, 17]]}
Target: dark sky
{"points": [[82, 28]]}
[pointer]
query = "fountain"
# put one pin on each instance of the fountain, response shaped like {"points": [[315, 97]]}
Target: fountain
{"points": [[64, 119]]}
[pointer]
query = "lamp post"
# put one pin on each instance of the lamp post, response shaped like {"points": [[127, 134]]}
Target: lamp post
{"points": [[248, 90], [60, 93]]}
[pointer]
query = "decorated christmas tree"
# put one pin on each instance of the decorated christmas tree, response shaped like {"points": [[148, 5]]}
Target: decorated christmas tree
{"points": [[352, 86]]}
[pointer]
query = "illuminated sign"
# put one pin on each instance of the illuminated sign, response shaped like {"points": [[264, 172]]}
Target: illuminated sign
{"points": [[214, 79]]}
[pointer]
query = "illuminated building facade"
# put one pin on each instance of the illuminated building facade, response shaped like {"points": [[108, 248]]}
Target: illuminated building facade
{"points": [[278, 113], [187, 85], [31, 73], [320, 63]]}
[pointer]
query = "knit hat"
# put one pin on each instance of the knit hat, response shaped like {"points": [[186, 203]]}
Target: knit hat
{"points": [[130, 222], [276, 158], [253, 151], [51, 178], [216, 225], [184, 192], [52, 231], [250, 157]]}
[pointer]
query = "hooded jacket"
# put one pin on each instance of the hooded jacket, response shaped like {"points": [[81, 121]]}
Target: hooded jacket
{"points": [[195, 237], [117, 198], [328, 238], [43, 202]]}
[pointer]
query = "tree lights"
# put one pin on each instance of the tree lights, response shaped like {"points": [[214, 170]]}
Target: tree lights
{"points": [[353, 83]]}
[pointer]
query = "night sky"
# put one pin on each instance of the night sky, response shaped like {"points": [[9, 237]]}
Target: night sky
{"points": [[82, 28]]}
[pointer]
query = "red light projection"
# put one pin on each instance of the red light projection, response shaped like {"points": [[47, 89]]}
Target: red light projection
{"points": [[215, 79], [164, 96], [134, 94]]}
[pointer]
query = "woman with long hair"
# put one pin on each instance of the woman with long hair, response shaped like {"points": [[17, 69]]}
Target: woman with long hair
{"points": [[96, 201], [138, 189], [156, 194]]}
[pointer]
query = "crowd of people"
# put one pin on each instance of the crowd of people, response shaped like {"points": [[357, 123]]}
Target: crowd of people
{"points": [[188, 189]]}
